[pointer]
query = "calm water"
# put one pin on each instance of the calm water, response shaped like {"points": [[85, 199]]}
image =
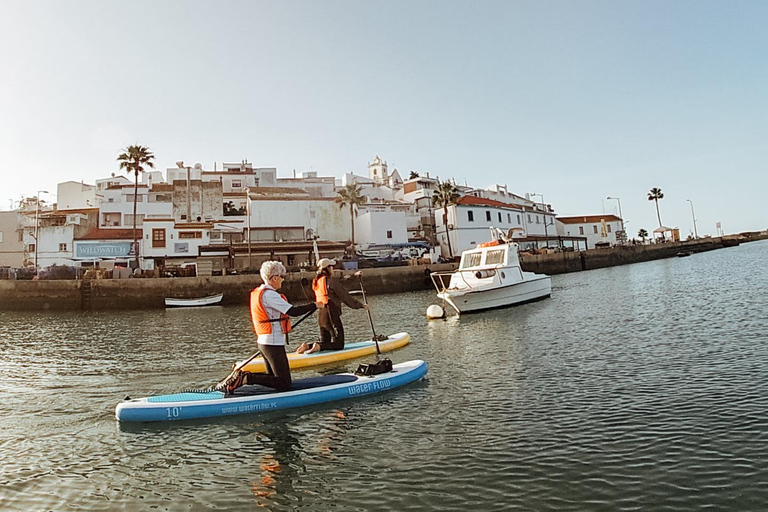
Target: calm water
{"points": [[641, 387]]}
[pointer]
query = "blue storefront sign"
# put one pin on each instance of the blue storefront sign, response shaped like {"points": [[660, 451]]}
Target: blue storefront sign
{"points": [[104, 250]]}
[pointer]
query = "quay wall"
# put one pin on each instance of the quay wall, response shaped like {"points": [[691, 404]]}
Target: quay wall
{"points": [[93, 294], [139, 293], [565, 262]]}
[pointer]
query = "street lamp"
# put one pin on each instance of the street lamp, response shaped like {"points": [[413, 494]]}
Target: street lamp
{"points": [[693, 216], [37, 222], [546, 234], [248, 214], [618, 199]]}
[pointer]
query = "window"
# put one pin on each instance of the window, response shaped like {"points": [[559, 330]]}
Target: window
{"points": [[237, 184], [389, 234], [595, 229], [129, 219], [494, 257], [529, 218], [499, 217], [470, 216], [509, 218], [190, 234], [609, 228], [471, 259], [518, 220], [538, 221], [31, 247], [129, 198], [1, 237], [158, 237], [581, 230], [62, 247], [488, 215]]}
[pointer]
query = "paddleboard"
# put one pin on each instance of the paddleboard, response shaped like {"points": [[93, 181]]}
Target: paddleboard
{"points": [[350, 351], [256, 399]]}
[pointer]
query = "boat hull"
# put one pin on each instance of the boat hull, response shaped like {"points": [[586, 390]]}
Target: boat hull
{"points": [[350, 351], [255, 399], [211, 300], [480, 299]]}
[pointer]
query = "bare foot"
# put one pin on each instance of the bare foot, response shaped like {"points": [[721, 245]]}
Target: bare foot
{"points": [[302, 348], [315, 348]]}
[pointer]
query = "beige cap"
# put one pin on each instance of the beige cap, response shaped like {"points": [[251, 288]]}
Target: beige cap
{"points": [[325, 262]]}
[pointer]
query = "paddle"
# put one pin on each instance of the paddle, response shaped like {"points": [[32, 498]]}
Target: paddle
{"points": [[242, 365], [370, 318]]}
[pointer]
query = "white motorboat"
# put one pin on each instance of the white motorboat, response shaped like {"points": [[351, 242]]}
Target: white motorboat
{"points": [[210, 300], [489, 276]]}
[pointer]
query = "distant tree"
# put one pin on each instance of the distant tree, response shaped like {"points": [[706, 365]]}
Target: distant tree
{"points": [[446, 195], [654, 195], [349, 195], [642, 233], [414, 174], [133, 159]]}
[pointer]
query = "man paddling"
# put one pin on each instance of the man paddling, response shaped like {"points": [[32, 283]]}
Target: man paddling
{"points": [[270, 312], [329, 291]]}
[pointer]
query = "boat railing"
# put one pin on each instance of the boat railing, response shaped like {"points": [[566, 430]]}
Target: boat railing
{"points": [[438, 278]]}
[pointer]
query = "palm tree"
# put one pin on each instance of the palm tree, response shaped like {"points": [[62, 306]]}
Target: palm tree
{"points": [[414, 174], [133, 159], [349, 194], [642, 234], [445, 195], [654, 195]]}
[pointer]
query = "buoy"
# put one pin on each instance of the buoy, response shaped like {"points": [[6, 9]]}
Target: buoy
{"points": [[435, 311]]}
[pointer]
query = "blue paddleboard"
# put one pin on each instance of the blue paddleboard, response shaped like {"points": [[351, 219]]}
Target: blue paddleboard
{"points": [[254, 399]]}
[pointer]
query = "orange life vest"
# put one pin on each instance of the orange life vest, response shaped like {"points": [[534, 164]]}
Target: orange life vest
{"points": [[492, 243], [320, 289], [261, 321]]}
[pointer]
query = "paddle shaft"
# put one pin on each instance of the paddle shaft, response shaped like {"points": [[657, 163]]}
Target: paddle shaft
{"points": [[370, 318]]}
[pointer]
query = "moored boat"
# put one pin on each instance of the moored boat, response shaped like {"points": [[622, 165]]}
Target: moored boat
{"points": [[210, 300], [490, 276], [256, 399]]}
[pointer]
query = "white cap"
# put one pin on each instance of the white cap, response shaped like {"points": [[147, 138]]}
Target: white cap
{"points": [[325, 262]]}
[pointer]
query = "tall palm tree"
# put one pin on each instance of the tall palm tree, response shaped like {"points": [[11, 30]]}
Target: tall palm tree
{"points": [[446, 195], [654, 195], [349, 195], [133, 159]]}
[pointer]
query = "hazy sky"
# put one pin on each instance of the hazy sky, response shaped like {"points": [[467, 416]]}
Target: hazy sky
{"points": [[575, 100]]}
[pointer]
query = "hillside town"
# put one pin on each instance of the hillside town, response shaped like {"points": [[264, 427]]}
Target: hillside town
{"points": [[231, 218]]}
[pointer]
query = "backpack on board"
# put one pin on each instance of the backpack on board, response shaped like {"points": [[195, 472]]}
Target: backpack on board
{"points": [[370, 369]]}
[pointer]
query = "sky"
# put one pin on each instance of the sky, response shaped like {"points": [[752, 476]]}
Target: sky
{"points": [[573, 100]]}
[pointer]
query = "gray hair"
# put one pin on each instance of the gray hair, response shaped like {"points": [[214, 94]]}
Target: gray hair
{"points": [[271, 268]]}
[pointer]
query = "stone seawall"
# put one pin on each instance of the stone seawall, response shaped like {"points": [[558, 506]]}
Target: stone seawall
{"points": [[564, 262], [92, 294]]}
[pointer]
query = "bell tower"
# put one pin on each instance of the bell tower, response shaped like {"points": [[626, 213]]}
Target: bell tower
{"points": [[377, 170]]}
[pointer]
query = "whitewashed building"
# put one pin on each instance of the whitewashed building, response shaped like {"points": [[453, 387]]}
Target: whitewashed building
{"points": [[597, 229]]}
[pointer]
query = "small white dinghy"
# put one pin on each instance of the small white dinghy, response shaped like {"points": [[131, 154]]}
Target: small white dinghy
{"points": [[489, 276], [210, 300]]}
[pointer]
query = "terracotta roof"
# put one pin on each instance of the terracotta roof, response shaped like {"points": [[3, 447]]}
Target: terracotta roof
{"points": [[109, 234], [588, 219], [481, 201]]}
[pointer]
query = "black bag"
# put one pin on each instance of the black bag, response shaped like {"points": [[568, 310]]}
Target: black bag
{"points": [[382, 366]]}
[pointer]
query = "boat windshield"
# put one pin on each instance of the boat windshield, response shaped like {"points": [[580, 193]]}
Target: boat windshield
{"points": [[471, 259], [494, 257]]}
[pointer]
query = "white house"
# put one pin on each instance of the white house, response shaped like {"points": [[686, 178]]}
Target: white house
{"points": [[72, 195], [380, 226], [469, 222], [596, 229]]}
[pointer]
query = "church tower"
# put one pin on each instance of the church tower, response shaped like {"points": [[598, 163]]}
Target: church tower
{"points": [[377, 170]]}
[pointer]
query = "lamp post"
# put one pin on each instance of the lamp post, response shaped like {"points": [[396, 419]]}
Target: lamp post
{"points": [[248, 214], [693, 216], [546, 233], [37, 222], [618, 199]]}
